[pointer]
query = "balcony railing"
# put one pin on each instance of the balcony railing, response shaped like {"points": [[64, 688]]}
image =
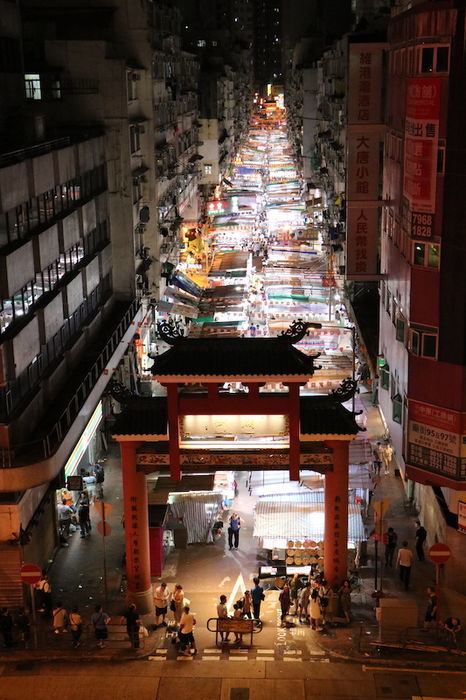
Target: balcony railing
{"points": [[15, 391]]}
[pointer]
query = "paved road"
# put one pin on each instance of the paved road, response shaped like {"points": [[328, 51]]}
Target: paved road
{"points": [[223, 680]]}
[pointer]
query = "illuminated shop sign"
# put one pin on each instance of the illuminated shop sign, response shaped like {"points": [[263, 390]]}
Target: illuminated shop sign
{"points": [[84, 440]]}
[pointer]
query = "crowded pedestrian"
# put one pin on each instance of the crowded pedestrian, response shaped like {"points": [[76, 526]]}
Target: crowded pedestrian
{"points": [[421, 536], [285, 603], [6, 627], [133, 623], [391, 539], [404, 561], [89, 483], [344, 595], [303, 602], [59, 618], [222, 614], [377, 457], [314, 610], [84, 519], [186, 634], [387, 455], [177, 602], [43, 592], [431, 611], [325, 593], [247, 604], [24, 626], [234, 527], [99, 474], [64, 518], [76, 626], [161, 598], [257, 596], [100, 620], [452, 628], [295, 587], [238, 615]]}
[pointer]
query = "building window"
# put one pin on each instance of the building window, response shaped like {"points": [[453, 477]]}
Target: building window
{"points": [[131, 86], [55, 90], [134, 138], [385, 376], [207, 170], [423, 343], [429, 345], [400, 329], [434, 59], [426, 255], [397, 409], [32, 84], [201, 43]]}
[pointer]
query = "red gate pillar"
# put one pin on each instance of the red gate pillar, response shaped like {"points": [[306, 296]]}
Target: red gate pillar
{"points": [[136, 530], [294, 428], [173, 432], [336, 514]]}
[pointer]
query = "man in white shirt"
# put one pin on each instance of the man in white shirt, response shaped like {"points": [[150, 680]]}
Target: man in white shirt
{"points": [[161, 598], [222, 612], [185, 634], [64, 518], [405, 561]]}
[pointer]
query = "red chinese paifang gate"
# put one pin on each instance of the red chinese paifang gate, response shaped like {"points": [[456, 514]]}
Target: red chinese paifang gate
{"points": [[194, 372]]}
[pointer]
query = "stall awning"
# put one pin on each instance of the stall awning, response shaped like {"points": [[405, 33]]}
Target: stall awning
{"points": [[181, 309], [300, 517], [179, 279]]}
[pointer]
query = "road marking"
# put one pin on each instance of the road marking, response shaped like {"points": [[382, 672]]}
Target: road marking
{"points": [[236, 658], [156, 658], [408, 670], [317, 652], [289, 658], [212, 651], [263, 658], [265, 651], [161, 651], [210, 658], [224, 581], [184, 658], [239, 587]]}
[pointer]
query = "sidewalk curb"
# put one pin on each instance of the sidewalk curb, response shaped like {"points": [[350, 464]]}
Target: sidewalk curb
{"points": [[54, 655]]}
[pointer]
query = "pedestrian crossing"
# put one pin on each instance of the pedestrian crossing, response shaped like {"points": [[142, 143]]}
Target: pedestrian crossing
{"points": [[235, 655]]}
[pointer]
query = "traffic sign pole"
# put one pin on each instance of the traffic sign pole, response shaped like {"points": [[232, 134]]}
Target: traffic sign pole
{"points": [[31, 574]]}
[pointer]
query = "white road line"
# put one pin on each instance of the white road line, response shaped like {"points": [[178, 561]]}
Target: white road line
{"points": [[184, 658], [212, 651], [156, 658], [266, 651], [239, 587], [210, 658]]}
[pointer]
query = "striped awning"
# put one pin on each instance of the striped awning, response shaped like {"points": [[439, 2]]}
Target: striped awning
{"points": [[300, 517]]}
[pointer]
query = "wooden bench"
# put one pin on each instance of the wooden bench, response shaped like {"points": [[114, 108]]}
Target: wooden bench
{"points": [[242, 626]]}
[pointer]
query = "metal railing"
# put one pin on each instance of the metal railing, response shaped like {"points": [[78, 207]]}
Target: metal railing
{"points": [[15, 391]]}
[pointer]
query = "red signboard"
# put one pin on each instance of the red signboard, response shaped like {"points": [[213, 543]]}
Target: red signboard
{"points": [[438, 417], [30, 573], [439, 553], [421, 143]]}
